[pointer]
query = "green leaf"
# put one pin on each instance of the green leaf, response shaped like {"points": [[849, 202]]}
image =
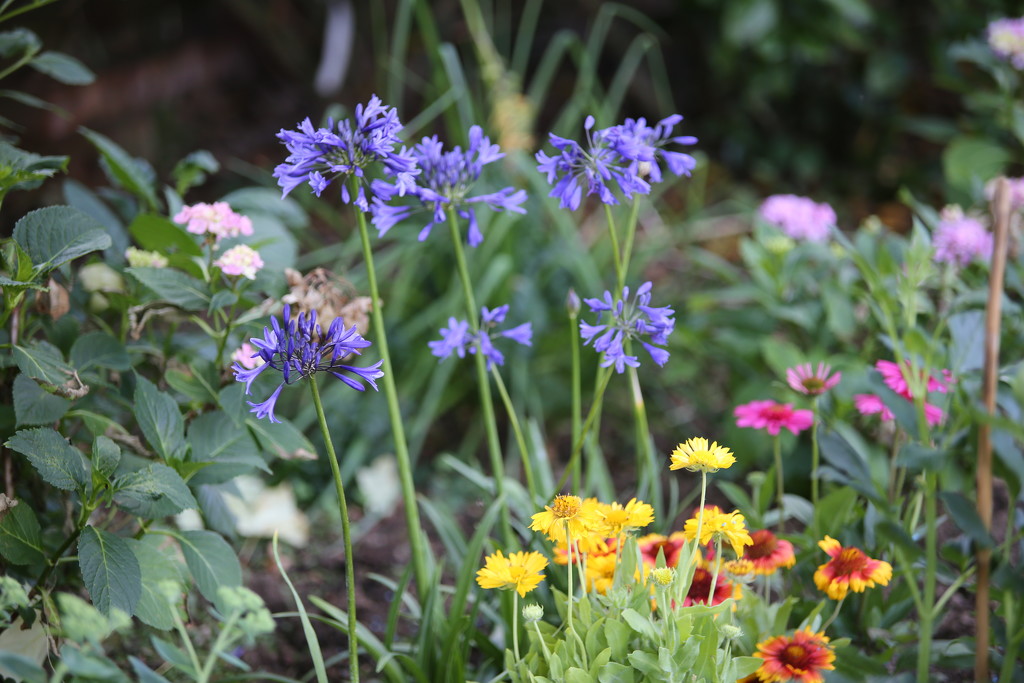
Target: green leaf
{"points": [[159, 233], [613, 672], [125, 170], [43, 361], [110, 570], [156, 565], [174, 655], [283, 439], [646, 663], [192, 170], [33, 405], [193, 382], [253, 200], [152, 492], [25, 169], [969, 159], [106, 455], [174, 287], [216, 439], [63, 68], [159, 419], [312, 643], [966, 517], [18, 42], [575, 675], [58, 462], [639, 623], [211, 560], [88, 664], [54, 235], [20, 540], [145, 674], [22, 668], [99, 349]]}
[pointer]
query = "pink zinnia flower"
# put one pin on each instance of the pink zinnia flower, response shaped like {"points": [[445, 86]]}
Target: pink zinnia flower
{"points": [[960, 239], [812, 382], [799, 217], [1006, 38], [870, 404], [895, 378], [240, 260], [773, 417], [216, 219]]}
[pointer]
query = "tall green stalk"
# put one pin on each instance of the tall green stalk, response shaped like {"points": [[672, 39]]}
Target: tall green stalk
{"points": [[517, 431], [412, 514], [346, 532], [815, 457], [779, 480], [577, 401], [483, 383]]}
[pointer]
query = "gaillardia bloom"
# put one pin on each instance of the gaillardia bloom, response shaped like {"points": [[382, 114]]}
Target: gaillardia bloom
{"points": [[458, 338], [801, 657], [565, 510], [849, 569], [628, 319], [812, 382], [728, 527], [299, 349], [700, 588], [669, 546], [615, 519], [799, 217], [773, 417], [696, 454], [768, 552], [520, 571]]}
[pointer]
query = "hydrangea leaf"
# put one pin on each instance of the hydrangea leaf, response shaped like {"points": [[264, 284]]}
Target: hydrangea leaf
{"points": [[99, 349], [153, 492], [211, 560], [159, 419], [174, 287], [156, 566], [110, 570], [63, 68], [125, 170], [54, 235], [20, 538], [57, 461], [33, 405]]}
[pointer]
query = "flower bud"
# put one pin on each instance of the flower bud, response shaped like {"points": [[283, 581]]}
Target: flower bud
{"points": [[532, 613]]}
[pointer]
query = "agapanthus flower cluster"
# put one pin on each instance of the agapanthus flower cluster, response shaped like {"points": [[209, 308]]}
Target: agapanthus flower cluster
{"points": [[215, 220], [445, 181], [1006, 38], [895, 377], [240, 261], [960, 239], [319, 156], [799, 217], [299, 349], [773, 417], [458, 338], [623, 319], [623, 157]]}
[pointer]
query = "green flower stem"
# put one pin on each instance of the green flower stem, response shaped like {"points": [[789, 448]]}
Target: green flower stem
{"points": [[83, 517], [577, 401], [595, 408], [346, 532], [718, 567], [179, 626], [642, 436], [581, 566], [515, 624], [627, 250], [569, 592], [779, 480], [543, 645], [927, 615], [517, 430], [696, 538], [412, 514], [620, 274], [219, 645], [835, 614], [815, 458], [483, 384]]}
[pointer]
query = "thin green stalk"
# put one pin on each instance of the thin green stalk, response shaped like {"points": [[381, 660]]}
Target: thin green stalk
{"points": [[483, 384], [642, 437], [627, 250], [834, 614], [714, 574], [515, 625], [779, 480], [346, 532], [577, 401], [595, 408], [696, 538], [620, 275], [412, 514], [83, 517], [930, 551], [815, 456], [179, 626], [543, 645], [569, 592], [518, 432], [218, 647]]}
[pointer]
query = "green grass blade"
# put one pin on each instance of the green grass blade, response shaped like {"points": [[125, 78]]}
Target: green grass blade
{"points": [[307, 628]]}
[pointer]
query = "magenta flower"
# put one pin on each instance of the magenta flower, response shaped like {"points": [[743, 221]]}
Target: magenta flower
{"points": [[1006, 38], [812, 382], [799, 217], [960, 239], [773, 417], [871, 404], [895, 378]]}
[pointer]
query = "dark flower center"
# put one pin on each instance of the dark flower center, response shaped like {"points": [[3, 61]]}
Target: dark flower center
{"points": [[765, 543], [849, 561]]}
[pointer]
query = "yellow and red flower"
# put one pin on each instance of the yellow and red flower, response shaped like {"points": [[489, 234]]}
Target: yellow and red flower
{"points": [[700, 587], [565, 511], [801, 657], [849, 569], [669, 545], [769, 552]]}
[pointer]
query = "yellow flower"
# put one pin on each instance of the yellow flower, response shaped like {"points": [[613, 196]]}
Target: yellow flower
{"points": [[519, 571], [601, 573], [563, 510], [615, 519], [725, 526], [695, 455]]}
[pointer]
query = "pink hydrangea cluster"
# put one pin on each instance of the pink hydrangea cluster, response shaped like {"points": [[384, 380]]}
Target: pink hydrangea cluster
{"points": [[1006, 38], [240, 260], [959, 239], [799, 217], [247, 356], [773, 417], [215, 219], [895, 378]]}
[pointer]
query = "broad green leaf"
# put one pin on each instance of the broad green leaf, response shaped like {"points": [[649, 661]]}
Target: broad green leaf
{"points": [[54, 235], [110, 570], [965, 514], [283, 439], [63, 68], [192, 170], [214, 438], [613, 672], [43, 361], [174, 287], [123, 167], [575, 675], [253, 200], [152, 492], [58, 462], [20, 539], [106, 455], [33, 405], [968, 159], [18, 167], [156, 566], [195, 382], [145, 674], [211, 560], [99, 349], [159, 233], [88, 664], [18, 42], [159, 419], [174, 655], [22, 668]]}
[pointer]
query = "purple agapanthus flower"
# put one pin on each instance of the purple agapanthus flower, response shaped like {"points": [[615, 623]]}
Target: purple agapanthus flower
{"points": [[644, 145], [320, 155], [624, 319], [299, 349], [446, 180], [458, 338]]}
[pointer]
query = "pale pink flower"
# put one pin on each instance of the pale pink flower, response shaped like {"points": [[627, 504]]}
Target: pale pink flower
{"points": [[240, 260], [247, 357], [804, 379], [216, 219], [1016, 192], [1006, 38], [799, 217], [773, 417], [870, 404], [960, 239]]}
